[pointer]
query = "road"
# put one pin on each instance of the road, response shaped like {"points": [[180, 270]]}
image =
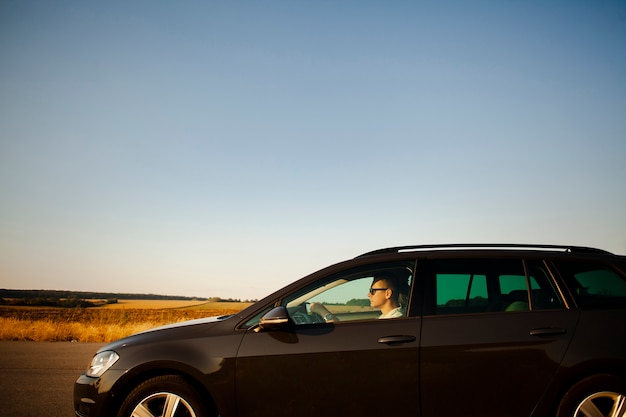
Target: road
{"points": [[37, 378]]}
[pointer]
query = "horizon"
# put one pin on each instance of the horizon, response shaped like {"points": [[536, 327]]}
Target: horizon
{"points": [[124, 294]]}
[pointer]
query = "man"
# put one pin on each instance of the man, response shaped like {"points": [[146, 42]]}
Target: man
{"points": [[386, 295]]}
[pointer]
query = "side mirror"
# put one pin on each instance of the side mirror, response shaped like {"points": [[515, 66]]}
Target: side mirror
{"points": [[276, 318]]}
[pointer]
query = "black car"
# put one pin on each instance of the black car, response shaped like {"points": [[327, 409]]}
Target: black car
{"points": [[439, 330]]}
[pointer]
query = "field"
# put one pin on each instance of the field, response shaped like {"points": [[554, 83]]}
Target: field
{"points": [[174, 304], [105, 323]]}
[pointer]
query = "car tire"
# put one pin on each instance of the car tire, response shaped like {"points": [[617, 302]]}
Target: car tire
{"points": [[167, 396], [605, 394]]}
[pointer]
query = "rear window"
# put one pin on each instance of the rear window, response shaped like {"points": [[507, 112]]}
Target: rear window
{"points": [[594, 285]]}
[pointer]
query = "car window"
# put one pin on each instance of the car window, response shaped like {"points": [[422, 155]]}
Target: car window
{"points": [[594, 285], [466, 286], [344, 297], [458, 292], [543, 293], [254, 320]]}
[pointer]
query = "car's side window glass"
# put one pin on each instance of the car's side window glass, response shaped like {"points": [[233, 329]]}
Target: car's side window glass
{"points": [[543, 293], [594, 285], [367, 293], [513, 292], [467, 286], [252, 322], [461, 292]]}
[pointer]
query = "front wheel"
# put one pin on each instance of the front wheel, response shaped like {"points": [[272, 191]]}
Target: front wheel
{"points": [[596, 396], [163, 396]]}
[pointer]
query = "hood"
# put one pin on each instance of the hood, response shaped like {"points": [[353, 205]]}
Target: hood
{"points": [[204, 320], [188, 327]]}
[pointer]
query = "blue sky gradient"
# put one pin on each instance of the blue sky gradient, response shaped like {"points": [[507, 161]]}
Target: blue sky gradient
{"points": [[228, 148]]}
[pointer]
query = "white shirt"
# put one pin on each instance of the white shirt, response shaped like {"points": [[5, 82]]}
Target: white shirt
{"points": [[392, 314]]}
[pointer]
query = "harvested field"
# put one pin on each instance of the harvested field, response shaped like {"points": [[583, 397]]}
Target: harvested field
{"points": [[96, 324], [154, 304]]}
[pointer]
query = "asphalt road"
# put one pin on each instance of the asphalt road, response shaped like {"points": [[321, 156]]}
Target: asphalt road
{"points": [[37, 378]]}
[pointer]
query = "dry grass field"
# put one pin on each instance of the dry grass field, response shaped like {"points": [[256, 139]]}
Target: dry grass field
{"points": [[152, 304], [103, 324]]}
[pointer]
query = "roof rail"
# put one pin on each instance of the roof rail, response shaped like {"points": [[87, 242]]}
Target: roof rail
{"points": [[502, 246]]}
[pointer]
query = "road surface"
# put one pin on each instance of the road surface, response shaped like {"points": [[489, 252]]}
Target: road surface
{"points": [[37, 378]]}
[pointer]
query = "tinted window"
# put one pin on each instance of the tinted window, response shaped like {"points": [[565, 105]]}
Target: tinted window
{"points": [[461, 292], [594, 285], [465, 286], [544, 294]]}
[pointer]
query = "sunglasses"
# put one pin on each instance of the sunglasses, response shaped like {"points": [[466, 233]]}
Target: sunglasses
{"points": [[373, 290]]}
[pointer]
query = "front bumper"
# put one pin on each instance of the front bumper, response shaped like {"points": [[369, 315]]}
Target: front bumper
{"points": [[93, 397]]}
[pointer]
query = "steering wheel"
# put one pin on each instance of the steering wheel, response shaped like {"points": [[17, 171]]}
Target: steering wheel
{"points": [[302, 316], [313, 317]]}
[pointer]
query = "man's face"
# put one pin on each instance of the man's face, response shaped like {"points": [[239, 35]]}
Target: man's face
{"points": [[377, 293]]}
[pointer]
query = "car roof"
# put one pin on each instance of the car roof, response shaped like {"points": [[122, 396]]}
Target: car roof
{"points": [[459, 247]]}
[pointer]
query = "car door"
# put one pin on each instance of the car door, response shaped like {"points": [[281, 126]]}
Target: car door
{"points": [[493, 335], [359, 365]]}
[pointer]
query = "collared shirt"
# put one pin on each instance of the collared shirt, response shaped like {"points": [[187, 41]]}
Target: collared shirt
{"points": [[395, 313]]}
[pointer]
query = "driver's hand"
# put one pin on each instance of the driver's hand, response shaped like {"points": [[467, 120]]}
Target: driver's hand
{"points": [[319, 308]]}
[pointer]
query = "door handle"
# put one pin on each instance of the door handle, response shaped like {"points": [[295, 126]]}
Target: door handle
{"points": [[397, 340], [547, 331]]}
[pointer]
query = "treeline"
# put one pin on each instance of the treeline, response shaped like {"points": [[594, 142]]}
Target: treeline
{"points": [[229, 300], [55, 294], [71, 302]]}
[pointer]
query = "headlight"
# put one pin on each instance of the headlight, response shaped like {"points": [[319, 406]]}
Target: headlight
{"points": [[101, 362]]}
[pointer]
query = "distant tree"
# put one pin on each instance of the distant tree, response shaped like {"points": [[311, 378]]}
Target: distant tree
{"points": [[361, 302], [74, 302]]}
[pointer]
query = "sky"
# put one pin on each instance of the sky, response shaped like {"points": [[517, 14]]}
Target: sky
{"points": [[218, 148]]}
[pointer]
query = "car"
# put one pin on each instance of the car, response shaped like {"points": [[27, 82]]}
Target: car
{"points": [[427, 330]]}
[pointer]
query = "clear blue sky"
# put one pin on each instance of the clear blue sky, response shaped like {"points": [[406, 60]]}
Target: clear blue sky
{"points": [[217, 148]]}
